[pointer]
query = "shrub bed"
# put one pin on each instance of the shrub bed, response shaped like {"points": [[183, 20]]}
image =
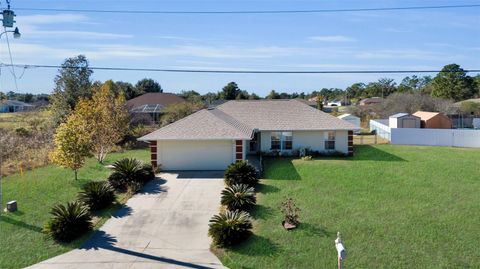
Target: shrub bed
{"points": [[69, 221]]}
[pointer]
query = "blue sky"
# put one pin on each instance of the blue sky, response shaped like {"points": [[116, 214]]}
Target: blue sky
{"points": [[422, 39]]}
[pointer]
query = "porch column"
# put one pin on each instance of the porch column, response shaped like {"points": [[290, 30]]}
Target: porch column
{"points": [[153, 153], [350, 143]]}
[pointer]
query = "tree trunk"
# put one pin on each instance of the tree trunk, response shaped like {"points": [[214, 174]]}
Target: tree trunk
{"points": [[76, 174]]}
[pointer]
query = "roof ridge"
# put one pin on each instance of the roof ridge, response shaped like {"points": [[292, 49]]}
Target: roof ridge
{"points": [[229, 120]]}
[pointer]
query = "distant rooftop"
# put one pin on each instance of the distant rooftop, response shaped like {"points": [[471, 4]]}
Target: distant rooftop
{"points": [[153, 102]]}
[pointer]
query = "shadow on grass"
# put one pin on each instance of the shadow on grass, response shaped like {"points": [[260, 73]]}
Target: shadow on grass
{"points": [[264, 188], [5, 218], [256, 245], [102, 240], [314, 230], [262, 212], [372, 153], [280, 169]]}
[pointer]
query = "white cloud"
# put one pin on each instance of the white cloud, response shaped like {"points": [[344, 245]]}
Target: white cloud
{"points": [[331, 38]]}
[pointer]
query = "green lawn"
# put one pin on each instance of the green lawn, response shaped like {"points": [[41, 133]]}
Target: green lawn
{"points": [[396, 207], [22, 242]]}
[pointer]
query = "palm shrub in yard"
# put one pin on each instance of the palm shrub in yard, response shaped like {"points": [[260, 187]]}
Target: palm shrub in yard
{"points": [[69, 221], [97, 195], [241, 172], [230, 228], [128, 172], [238, 197]]}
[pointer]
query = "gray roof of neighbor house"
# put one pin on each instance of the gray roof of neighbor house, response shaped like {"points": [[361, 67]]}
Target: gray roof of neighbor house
{"points": [[13, 103], [238, 119], [153, 102]]}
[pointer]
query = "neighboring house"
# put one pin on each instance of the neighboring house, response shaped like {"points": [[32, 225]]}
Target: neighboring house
{"points": [[334, 103], [352, 119], [11, 106], [433, 120], [403, 120], [152, 104], [371, 101], [211, 139]]}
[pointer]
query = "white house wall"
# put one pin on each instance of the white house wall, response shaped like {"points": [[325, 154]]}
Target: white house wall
{"points": [[314, 140]]}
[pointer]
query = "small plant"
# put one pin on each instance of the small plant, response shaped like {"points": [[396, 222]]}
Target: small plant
{"points": [[230, 228], [128, 171], [291, 212], [307, 158], [97, 195], [69, 221], [238, 197], [241, 173]]}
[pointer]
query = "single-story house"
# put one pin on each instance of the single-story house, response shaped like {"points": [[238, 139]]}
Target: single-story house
{"points": [[403, 120], [152, 104], [11, 106], [351, 118], [433, 120], [371, 101], [213, 138]]}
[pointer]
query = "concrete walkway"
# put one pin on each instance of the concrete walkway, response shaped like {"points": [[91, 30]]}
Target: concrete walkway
{"points": [[165, 226]]}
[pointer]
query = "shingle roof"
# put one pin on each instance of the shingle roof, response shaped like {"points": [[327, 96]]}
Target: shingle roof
{"points": [[205, 124], [153, 102], [238, 119], [281, 115]]}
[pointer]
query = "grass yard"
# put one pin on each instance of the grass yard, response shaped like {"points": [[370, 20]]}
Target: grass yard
{"points": [[22, 242], [396, 207]]}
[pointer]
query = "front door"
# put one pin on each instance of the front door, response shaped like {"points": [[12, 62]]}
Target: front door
{"points": [[253, 147]]}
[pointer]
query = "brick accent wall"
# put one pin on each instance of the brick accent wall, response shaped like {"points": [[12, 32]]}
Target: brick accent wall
{"points": [[350, 143], [238, 150], [153, 153]]}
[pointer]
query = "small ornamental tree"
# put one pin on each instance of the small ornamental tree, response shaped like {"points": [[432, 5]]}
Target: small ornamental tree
{"points": [[105, 117], [72, 145]]}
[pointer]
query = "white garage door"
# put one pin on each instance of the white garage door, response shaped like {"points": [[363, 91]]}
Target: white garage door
{"points": [[195, 155]]}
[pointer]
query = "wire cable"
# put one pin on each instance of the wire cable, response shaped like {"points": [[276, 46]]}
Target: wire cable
{"points": [[476, 70], [251, 11], [11, 61]]}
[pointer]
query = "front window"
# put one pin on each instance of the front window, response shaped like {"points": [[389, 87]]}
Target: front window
{"points": [[287, 140], [275, 140], [281, 141], [330, 140]]}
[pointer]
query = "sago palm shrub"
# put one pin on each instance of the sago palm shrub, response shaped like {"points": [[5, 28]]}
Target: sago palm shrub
{"points": [[230, 228], [238, 197], [129, 171], [241, 172], [69, 221], [97, 195]]}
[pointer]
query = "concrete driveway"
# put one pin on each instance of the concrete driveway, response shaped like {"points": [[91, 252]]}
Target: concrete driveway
{"points": [[165, 226]]}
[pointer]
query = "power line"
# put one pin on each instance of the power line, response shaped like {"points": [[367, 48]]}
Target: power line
{"points": [[250, 11], [246, 71]]}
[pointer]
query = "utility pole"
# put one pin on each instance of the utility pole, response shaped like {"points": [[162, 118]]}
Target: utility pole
{"points": [[7, 20]]}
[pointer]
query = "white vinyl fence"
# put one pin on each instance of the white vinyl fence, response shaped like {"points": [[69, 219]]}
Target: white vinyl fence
{"points": [[381, 128], [436, 137]]}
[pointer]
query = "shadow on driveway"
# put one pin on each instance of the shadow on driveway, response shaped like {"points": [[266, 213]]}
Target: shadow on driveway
{"points": [[102, 240]]}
